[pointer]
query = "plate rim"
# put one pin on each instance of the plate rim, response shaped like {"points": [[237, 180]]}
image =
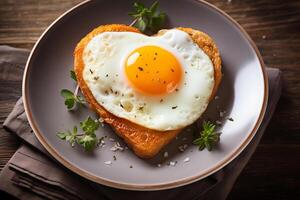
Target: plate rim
{"points": [[144, 187]]}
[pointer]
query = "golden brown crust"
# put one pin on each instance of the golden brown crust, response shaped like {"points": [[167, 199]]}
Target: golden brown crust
{"points": [[145, 142]]}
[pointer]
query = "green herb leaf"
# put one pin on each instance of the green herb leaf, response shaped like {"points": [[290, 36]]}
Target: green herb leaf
{"points": [[89, 126], [68, 136], [73, 75], [88, 142], [141, 24], [208, 137], [71, 99], [67, 94], [88, 139], [70, 103], [148, 19], [62, 135]]}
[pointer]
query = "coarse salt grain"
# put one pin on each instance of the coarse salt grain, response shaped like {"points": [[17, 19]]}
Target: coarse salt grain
{"points": [[101, 120], [166, 154], [222, 113], [116, 147], [108, 162]]}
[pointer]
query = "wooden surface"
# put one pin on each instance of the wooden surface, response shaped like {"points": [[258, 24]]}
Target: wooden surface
{"points": [[274, 170]]}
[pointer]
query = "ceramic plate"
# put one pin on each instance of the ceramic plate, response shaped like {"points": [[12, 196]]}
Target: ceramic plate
{"points": [[243, 95]]}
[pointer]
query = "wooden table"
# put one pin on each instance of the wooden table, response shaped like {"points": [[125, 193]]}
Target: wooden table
{"points": [[274, 170]]}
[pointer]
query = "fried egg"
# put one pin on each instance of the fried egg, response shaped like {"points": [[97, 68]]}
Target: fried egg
{"points": [[162, 82]]}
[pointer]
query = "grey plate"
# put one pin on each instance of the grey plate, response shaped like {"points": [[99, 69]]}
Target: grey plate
{"points": [[243, 95]]}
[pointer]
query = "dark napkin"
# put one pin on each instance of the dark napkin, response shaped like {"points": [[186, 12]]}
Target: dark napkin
{"points": [[33, 174]]}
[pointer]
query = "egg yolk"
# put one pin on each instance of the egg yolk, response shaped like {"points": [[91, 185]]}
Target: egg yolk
{"points": [[153, 70]]}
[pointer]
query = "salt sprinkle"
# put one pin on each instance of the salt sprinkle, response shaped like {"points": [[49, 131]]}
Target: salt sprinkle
{"points": [[182, 148], [108, 162], [116, 147], [173, 163], [218, 122], [102, 143], [166, 154], [222, 113], [101, 120]]}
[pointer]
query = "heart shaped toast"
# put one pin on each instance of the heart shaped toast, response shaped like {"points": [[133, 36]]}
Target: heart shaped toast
{"points": [[147, 88]]}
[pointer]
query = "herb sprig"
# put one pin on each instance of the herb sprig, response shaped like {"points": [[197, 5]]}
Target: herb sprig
{"points": [[208, 137], [71, 99], [147, 19], [88, 139]]}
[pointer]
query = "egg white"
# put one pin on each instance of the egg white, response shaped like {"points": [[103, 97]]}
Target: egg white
{"points": [[104, 60]]}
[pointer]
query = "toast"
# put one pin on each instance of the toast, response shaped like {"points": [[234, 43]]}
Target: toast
{"points": [[145, 142]]}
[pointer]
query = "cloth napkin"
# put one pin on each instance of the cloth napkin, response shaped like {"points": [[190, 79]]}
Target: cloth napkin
{"points": [[33, 174]]}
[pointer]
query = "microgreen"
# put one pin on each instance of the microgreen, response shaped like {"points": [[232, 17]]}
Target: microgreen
{"points": [[71, 99], [208, 137], [147, 19], [88, 139]]}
